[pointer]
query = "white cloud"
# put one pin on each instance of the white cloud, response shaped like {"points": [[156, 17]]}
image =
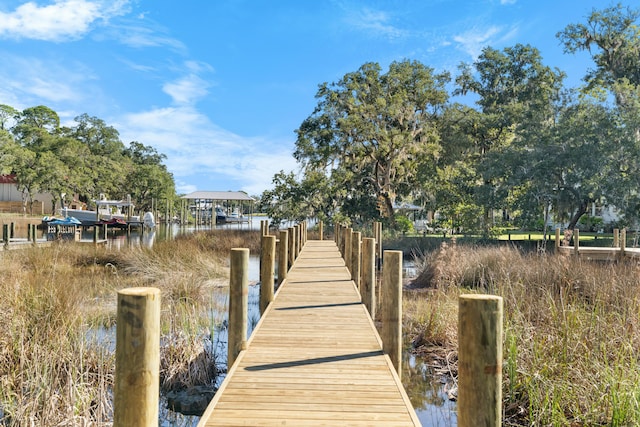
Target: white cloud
{"points": [[508, 1], [375, 22], [44, 81], [59, 21], [474, 40], [186, 90], [199, 151]]}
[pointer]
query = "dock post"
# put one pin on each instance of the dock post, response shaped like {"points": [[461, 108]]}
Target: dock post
{"points": [[368, 282], [576, 242], [616, 237], [623, 242], [480, 361], [320, 230], [137, 379], [356, 255], [95, 234], [5, 234], [557, 242], [267, 259], [392, 308], [292, 247], [283, 256], [34, 233], [12, 231], [348, 239], [238, 304]]}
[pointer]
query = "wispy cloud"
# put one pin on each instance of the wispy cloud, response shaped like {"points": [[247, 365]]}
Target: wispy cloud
{"points": [[508, 1], [43, 80], [63, 20], [376, 23], [196, 146], [475, 39]]}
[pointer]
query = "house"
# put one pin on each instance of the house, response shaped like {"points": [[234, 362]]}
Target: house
{"points": [[11, 198]]}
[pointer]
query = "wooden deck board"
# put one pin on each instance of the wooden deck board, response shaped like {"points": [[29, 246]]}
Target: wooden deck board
{"points": [[314, 359]]}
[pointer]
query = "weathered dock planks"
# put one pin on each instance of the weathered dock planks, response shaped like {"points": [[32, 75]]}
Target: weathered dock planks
{"points": [[315, 358]]}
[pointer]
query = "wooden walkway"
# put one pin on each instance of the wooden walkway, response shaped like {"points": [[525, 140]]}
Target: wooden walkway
{"points": [[314, 358]]}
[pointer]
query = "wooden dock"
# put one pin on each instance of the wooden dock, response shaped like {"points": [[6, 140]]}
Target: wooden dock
{"points": [[315, 358]]}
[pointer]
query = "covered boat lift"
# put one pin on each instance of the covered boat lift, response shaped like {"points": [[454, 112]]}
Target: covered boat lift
{"points": [[206, 206]]}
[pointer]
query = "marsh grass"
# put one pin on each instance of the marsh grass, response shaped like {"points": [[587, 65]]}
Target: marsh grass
{"points": [[571, 337], [53, 371]]}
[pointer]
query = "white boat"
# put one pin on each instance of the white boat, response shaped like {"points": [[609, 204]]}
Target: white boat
{"points": [[108, 211], [236, 216]]}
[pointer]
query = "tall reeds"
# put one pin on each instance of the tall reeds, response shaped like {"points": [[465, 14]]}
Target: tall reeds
{"points": [[57, 311], [571, 330]]}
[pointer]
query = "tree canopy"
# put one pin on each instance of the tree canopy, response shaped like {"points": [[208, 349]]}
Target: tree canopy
{"points": [[82, 160], [519, 148]]}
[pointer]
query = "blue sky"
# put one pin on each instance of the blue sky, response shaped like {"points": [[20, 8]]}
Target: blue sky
{"points": [[219, 86]]}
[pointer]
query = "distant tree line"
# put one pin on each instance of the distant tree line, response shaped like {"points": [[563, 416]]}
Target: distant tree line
{"points": [[522, 144], [86, 159]]}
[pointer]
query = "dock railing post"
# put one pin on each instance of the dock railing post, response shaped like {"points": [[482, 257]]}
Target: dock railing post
{"points": [[267, 260], [616, 237], [576, 242], [292, 248], [321, 230], [368, 282], [557, 242], [137, 377], [623, 242], [480, 361], [356, 255], [34, 235], [296, 242], [238, 304], [12, 232], [348, 238], [283, 256], [5, 234], [95, 234], [392, 308]]}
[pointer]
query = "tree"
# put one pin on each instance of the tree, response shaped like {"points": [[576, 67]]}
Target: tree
{"points": [[612, 37], [369, 131], [517, 100]]}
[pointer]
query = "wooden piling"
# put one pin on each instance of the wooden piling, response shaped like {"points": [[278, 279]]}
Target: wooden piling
{"points": [[348, 238], [267, 260], [557, 242], [95, 234], [576, 242], [321, 230], [137, 377], [238, 304], [12, 230], [368, 274], [616, 237], [5, 234], [356, 256], [392, 308], [479, 361], [292, 247], [283, 256], [623, 241]]}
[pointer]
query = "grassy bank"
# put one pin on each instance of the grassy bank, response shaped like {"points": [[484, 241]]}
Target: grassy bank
{"points": [[571, 336], [51, 371]]}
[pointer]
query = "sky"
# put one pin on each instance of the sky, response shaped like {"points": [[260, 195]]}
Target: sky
{"points": [[220, 86]]}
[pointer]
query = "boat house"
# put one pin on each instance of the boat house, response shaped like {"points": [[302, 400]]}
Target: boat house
{"points": [[220, 206]]}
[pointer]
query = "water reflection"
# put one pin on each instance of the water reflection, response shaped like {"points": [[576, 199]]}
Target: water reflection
{"points": [[426, 390]]}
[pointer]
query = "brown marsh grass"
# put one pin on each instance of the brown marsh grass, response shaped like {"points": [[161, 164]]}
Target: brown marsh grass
{"points": [[571, 337], [52, 371]]}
